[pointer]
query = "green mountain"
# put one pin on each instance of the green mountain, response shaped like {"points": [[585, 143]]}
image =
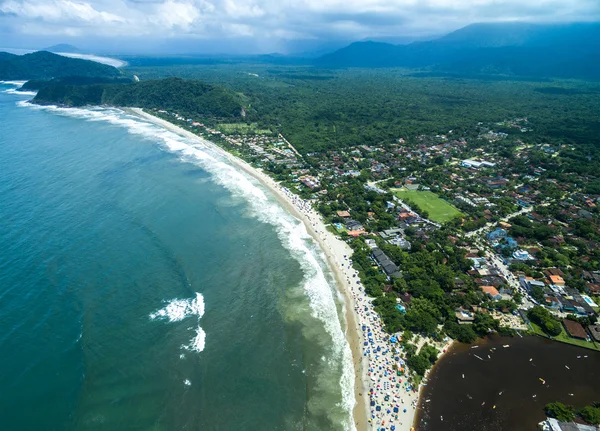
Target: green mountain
{"points": [[514, 49], [46, 65], [190, 97]]}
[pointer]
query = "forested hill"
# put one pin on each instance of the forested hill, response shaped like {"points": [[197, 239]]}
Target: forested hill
{"points": [[184, 96], [46, 65], [566, 51]]}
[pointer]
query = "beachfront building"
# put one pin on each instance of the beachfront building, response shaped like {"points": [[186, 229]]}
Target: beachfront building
{"points": [[552, 424], [464, 317], [388, 267]]}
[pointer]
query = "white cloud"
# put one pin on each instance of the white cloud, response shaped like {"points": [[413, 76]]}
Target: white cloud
{"points": [[277, 19], [172, 14], [58, 11]]}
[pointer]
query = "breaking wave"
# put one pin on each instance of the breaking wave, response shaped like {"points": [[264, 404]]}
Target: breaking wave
{"points": [[177, 310], [20, 93], [291, 232]]}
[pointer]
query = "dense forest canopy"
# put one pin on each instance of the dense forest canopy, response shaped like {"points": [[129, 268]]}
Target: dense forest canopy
{"points": [[192, 97], [320, 109]]}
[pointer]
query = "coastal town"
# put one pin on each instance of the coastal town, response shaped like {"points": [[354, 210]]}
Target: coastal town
{"points": [[449, 238]]}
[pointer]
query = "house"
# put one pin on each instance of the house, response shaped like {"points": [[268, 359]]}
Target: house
{"points": [[354, 225], [595, 332], [521, 255], [574, 329], [556, 280], [491, 291], [390, 233], [496, 234], [553, 271], [464, 317], [384, 262], [552, 302], [551, 424], [343, 214], [472, 164], [529, 283]]}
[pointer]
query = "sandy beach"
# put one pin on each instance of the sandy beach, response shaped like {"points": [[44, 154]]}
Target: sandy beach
{"points": [[384, 400]]}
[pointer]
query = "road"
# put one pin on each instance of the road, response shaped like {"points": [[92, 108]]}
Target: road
{"points": [[488, 226]]}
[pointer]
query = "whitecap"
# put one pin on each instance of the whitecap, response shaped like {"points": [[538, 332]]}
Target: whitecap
{"points": [[20, 93], [178, 309], [15, 83], [197, 344]]}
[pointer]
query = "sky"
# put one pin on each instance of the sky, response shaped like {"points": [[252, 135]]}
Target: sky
{"points": [[258, 26]]}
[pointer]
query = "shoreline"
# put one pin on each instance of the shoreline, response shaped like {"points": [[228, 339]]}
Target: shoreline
{"points": [[335, 250], [383, 397]]}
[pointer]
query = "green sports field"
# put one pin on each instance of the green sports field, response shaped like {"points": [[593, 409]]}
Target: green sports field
{"points": [[439, 210]]}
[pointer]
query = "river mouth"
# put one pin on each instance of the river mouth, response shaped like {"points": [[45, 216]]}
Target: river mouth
{"points": [[489, 387]]}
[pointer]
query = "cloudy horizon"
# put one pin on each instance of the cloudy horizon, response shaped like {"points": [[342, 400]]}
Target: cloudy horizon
{"points": [[259, 26]]}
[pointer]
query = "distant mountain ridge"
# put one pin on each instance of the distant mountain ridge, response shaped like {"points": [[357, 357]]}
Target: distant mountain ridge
{"points": [[46, 65], [64, 47], [565, 50]]}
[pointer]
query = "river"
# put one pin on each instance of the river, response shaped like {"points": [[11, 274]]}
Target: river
{"points": [[496, 388]]}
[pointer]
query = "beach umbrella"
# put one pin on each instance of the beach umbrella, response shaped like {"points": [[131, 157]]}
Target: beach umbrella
{"points": [[395, 409], [378, 408], [404, 410]]}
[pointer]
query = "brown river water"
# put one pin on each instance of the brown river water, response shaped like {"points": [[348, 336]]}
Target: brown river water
{"points": [[502, 390]]}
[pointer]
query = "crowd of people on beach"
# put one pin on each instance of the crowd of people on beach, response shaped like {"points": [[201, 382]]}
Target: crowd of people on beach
{"points": [[392, 400]]}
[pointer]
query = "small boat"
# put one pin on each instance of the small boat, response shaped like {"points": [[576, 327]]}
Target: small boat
{"points": [[483, 404], [567, 367], [506, 345]]}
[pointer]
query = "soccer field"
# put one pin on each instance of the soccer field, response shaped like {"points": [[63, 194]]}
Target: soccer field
{"points": [[439, 210]]}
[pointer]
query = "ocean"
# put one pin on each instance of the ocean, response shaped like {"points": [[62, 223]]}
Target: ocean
{"points": [[147, 284]]}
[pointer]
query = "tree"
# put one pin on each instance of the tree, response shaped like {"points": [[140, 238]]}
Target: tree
{"points": [[590, 414], [560, 411], [462, 333], [545, 320]]}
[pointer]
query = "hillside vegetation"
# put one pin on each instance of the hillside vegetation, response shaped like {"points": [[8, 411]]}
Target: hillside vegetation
{"points": [[189, 97], [46, 65]]}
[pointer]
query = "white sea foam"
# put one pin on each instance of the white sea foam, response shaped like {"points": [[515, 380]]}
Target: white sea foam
{"points": [[178, 309], [20, 93], [15, 83], [291, 232], [197, 344]]}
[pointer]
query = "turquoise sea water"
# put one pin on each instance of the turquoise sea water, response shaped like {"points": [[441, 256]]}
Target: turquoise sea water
{"points": [[145, 284]]}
